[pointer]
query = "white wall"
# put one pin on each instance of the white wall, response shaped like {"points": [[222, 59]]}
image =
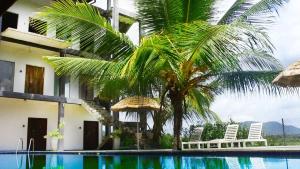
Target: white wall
{"points": [[14, 114], [75, 116], [22, 56], [24, 9]]}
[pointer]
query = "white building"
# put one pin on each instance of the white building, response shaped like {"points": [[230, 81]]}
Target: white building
{"points": [[33, 100]]}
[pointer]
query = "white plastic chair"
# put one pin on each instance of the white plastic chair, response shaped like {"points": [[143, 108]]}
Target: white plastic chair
{"points": [[229, 137], [254, 135], [195, 139]]}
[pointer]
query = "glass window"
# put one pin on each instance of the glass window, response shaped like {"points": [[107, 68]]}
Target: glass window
{"points": [[37, 26], [9, 20], [6, 75]]}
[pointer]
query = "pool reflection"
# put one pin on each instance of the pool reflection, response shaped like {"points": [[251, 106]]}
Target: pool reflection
{"points": [[54, 161]]}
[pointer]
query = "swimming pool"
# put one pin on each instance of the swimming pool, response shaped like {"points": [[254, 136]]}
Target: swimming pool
{"points": [[71, 161]]}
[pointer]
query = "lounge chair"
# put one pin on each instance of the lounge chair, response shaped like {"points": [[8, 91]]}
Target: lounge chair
{"points": [[254, 135], [257, 162], [233, 162], [229, 137], [195, 139]]}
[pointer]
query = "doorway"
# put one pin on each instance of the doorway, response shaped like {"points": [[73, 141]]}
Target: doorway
{"points": [[34, 81], [90, 135], [37, 129]]}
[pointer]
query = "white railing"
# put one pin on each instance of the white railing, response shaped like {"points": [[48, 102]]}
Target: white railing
{"points": [[20, 142], [31, 143]]}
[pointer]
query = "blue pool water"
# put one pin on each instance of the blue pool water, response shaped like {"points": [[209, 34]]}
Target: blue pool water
{"points": [[54, 161]]}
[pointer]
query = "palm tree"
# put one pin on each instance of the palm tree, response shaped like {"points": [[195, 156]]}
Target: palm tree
{"points": [[192, 52]]}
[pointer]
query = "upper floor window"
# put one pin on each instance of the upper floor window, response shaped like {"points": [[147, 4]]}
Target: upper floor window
{"points": [[37, 26], [34, 79], [9, 20], [7, 70]]}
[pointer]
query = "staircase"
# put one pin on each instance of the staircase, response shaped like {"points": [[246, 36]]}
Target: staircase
{"points": [[107, 144], [97, 111]]}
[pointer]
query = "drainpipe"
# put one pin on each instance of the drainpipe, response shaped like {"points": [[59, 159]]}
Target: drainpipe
{"points": [[115, 24]]}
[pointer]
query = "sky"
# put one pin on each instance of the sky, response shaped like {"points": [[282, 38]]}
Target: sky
{"points": [[285, 35]]}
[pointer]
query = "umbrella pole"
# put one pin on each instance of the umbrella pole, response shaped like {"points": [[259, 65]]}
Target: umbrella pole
{"points": [[137, 130]]}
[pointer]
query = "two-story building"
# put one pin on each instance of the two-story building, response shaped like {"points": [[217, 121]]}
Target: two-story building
{"points": [[33, 100]]}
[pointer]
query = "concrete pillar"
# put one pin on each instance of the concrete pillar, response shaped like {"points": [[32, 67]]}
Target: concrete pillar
{"points": [[61, 115], [115, 15]]}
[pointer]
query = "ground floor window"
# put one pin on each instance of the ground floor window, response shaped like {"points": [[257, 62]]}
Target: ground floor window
{"points": [[6, 75]]}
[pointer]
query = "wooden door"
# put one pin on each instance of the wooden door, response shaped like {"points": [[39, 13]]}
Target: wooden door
{"points": [[90, 135], [34, 82], [37, 129]]}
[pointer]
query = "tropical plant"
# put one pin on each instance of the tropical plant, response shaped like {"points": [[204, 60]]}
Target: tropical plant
{"points": [[56, 133], [194, 54], [116, 133]]}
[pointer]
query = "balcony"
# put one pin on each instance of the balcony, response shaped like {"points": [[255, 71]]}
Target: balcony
{"points": [[34, 40]]}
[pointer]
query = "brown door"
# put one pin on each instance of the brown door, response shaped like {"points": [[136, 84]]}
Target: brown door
{"points": [[34, 82], [37, 129], [90, 135]]}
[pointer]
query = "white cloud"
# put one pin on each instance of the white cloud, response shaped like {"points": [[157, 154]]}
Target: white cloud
{"points": [[285, 35]]}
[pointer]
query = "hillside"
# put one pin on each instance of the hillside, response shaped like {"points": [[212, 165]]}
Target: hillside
{"points": [[275, 128]]}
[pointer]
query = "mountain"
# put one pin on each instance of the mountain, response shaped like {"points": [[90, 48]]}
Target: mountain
{"points": [[274, 128]]}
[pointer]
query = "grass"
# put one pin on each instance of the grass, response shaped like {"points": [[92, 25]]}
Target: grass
{"points": [[279, 140]]}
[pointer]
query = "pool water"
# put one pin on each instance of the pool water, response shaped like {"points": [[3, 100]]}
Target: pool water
{"points": [[58, 161]]}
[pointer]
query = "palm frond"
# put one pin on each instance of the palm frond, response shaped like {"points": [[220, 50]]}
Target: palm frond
{"points": [[199, 104], [259, 60], [218, 45], [237, 8], [252, 11], [153, 55], [77, 67], [157, 15], [197, 10], [242, 82], [84, 24], [262, 11]]}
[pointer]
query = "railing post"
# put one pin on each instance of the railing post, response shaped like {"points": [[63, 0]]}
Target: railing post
{"points": [[283, 131]]}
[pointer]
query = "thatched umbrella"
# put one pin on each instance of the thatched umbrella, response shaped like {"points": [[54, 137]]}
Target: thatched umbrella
{"points": [[136, 104], [290, 77]]}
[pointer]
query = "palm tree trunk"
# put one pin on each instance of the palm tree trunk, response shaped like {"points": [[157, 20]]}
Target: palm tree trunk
{"points": [[157, 128], [177, 104]]}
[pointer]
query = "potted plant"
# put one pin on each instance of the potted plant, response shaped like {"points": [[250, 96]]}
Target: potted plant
{"points": [[55, 135], [116, 134]]}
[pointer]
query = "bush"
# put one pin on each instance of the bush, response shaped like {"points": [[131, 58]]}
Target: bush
{"points": [[166, 141], [215, 131]]}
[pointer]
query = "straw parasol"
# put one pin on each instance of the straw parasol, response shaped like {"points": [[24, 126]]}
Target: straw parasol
{"points": [[136, 104], [290, 77]]}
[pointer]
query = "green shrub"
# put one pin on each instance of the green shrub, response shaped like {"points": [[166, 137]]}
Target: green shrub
{"points": [[166, 141], [216, 131]]}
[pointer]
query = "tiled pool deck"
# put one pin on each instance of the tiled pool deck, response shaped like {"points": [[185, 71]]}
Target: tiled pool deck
{"points": [[272, 150]]}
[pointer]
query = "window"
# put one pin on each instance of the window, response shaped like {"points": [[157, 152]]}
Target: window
{"points": [[86, 92], [37, 26], [9, 20], [6, 75], [34, 82]]}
